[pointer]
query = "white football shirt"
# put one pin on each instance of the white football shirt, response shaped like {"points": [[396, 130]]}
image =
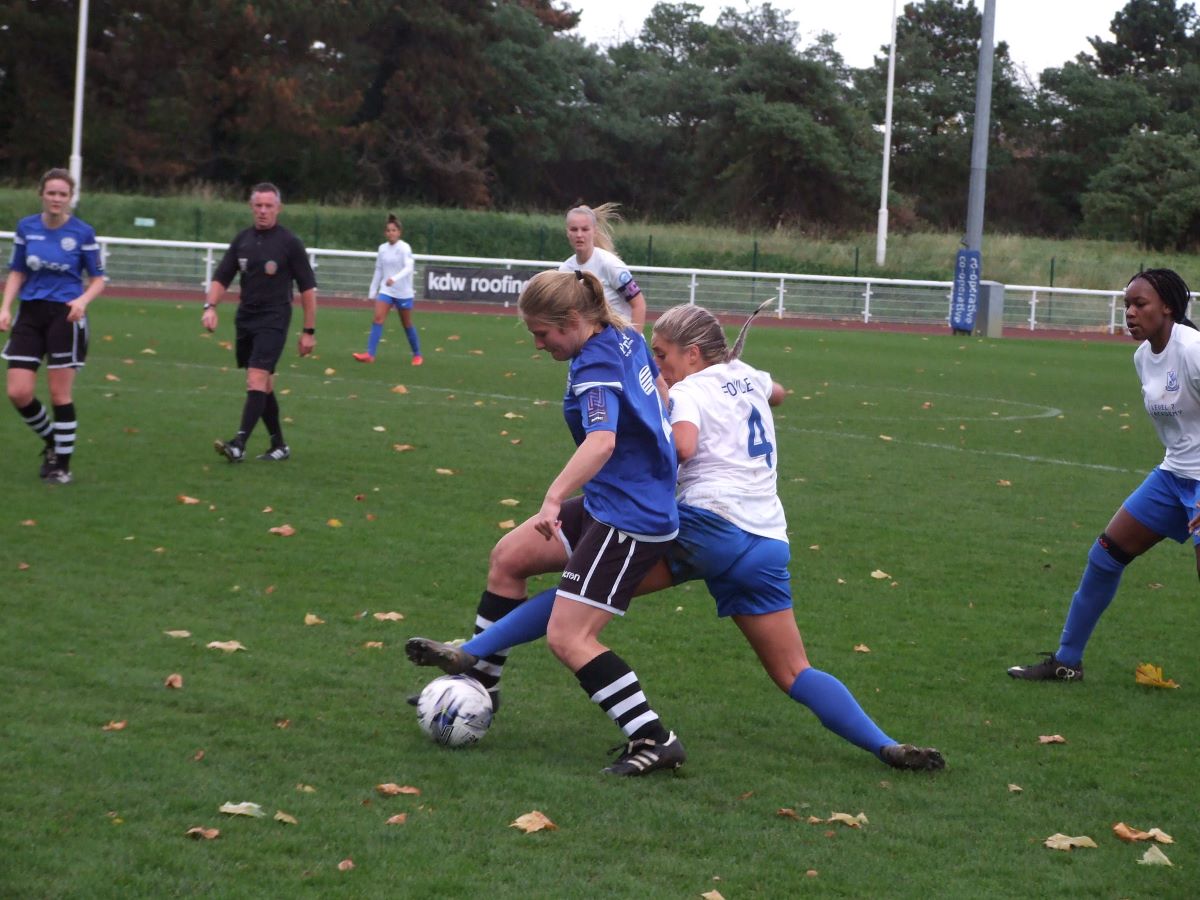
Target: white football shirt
{"points": [[1171, 394], [616, 279], [394, 261], [733, 473]]}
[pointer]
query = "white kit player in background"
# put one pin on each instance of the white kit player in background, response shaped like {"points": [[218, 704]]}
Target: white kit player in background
{"points": [[590, 237]]}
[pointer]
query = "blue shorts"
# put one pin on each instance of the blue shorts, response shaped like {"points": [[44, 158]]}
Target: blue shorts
{"points": [[1164, 502], [398, 302], [747, 574]]}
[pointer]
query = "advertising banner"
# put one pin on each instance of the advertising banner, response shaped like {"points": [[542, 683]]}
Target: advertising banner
{"points": [[489, 285], [964, 299]]}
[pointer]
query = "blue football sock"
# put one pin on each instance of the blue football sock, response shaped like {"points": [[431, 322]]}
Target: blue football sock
{"points": [[524, 624], [413, 342], [373, 340], [837, 709], [1096, 590]]}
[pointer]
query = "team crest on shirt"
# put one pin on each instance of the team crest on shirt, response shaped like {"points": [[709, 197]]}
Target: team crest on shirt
{"points": [[1172, 380], [68, 244], [271, 267]]}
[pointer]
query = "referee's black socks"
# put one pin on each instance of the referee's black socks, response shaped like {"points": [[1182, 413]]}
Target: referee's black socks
{"points": [[252, 411]]}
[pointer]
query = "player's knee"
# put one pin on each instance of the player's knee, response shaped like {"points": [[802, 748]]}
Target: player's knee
{"points": [[1108, 554]]}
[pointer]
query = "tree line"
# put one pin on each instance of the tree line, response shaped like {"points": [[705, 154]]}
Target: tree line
{"points": [[477, 104]]}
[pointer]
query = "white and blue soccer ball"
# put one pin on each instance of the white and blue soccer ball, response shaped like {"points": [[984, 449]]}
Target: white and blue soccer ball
{"points": [[454, 710]]}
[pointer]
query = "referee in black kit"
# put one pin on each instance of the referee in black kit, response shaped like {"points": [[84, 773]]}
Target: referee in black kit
{"points": [[268, 258]]}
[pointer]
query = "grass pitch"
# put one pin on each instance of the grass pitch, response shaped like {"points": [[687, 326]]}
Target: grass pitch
{"points": [[975, 474]]}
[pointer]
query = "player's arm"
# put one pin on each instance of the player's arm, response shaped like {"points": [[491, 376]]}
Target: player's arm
{"points": [[12, 287], [308, 339], [687, 438], [637, 310], [588, 459], [777, 394], [78, 306]]}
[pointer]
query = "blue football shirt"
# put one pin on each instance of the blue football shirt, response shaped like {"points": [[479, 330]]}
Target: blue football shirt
{"points": [[610, 387], [53, 260]]}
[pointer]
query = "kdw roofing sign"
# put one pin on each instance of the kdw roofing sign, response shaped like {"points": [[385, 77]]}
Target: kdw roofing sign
{"points": [[495, 285]]}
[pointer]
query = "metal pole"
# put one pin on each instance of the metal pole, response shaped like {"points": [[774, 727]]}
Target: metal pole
{"points": [[77, 122], [979, 143], [881, 232]]}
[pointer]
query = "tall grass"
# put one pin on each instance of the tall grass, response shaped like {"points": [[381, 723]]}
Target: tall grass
{"points": [[1012, 259]]}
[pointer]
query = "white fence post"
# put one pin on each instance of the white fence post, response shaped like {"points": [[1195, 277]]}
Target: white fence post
{"points": [[867, 304], [1112, 314], [782, 291], [692, 291], [208, 269], [1033, 311]]}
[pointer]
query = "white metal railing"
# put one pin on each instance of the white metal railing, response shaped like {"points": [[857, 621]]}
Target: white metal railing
{"points": [[145, 262]]}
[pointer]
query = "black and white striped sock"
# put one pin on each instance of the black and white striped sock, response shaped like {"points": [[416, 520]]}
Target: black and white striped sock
{"points": [[611, 684], [38, 419], [492, 607], [65, 427]]}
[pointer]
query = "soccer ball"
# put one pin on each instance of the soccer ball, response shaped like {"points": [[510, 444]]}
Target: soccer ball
{"points": [[454, 710]]}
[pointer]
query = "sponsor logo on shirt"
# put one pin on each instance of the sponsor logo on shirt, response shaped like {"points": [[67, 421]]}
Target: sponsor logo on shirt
{"points": [[626, 345], [646, 380], [597, 407]]}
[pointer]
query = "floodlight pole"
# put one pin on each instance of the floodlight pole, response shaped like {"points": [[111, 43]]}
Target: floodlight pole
{"points": [[881, 232], [979, 143], [77, 121]]}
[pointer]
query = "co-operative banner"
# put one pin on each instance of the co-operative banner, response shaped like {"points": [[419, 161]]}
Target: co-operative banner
{"points": [[964, 298], [489, 285]]}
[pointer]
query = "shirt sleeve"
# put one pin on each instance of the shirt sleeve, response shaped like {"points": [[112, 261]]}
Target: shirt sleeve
{"points": [[407, 269], [684, 407], [228, 267], [301, 268], [621, 278], [16, 262], [601, 408], [377, 278], [93, 261]]}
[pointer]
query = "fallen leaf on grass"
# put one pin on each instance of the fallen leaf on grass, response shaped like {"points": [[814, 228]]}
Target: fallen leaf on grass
{"points": [[312, 619], [507, 524], [1060, 841], [1128, 833], [713, 895], [178, 634], [227, 646], [399, 389], [306, 788], [397, 819], [1015, 789], [509, 501], [197, 756], [444, 471], [861, 648], [1154, 857], [374, 645], [283, 723], [29, 523], [533, 821], [885, 437], [203, 834], [114, 726], [391, 789], [282, 530], [345, 865], [389, 616], [281, 816], [186, 500], [330, 371], [513, 415], [334, 523], [848, 820], [787, 813], [402, 448], [245, 808], [1051, 739], [111, 377], [880, 574], [22, 567], [1003, 482], [174, 681], [1152, 676], [379, 428]]}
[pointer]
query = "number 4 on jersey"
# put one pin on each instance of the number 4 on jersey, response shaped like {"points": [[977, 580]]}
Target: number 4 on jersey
{"points": [[757, 444]]}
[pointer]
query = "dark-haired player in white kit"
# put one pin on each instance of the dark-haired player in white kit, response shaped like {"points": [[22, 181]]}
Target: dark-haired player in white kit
{"points": [[267, 258], [51, 253]]}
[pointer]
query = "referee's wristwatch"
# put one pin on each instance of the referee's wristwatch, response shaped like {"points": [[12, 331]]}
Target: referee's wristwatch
{"points": [[309, 331], [208, 306]]}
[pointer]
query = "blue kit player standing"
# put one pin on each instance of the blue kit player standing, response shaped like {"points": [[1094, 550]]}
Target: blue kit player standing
{"points": [[52, 253], [267, 258]]}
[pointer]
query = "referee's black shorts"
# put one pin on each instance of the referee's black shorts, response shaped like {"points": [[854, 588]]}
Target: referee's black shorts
{"points": [[41, 331], [261, 340]]}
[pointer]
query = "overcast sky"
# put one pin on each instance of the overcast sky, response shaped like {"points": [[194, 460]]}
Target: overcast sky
{"points": [[1040, 33]]}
